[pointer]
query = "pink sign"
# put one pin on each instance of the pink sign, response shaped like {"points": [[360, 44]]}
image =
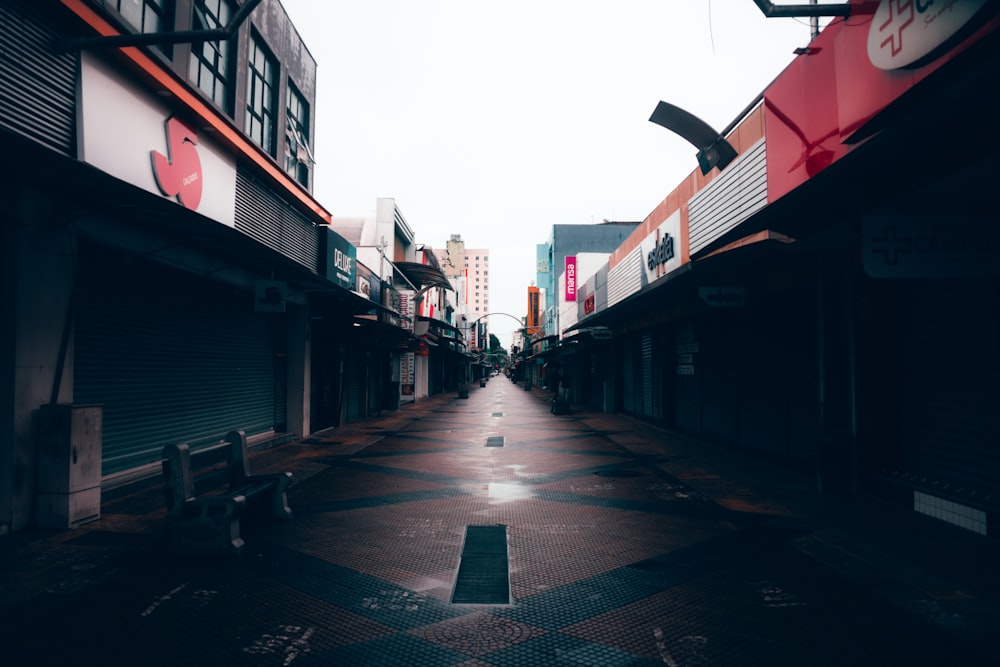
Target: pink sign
{"points": [[571, 278]]}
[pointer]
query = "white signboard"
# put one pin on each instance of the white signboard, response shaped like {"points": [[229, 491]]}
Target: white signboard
{"points": [[131, 134], [270, 296], [661, 250], [904, 34], [406, 364], [406, 310]]}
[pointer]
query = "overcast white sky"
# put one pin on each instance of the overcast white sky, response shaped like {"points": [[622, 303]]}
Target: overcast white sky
{"points": [[496, 120]]}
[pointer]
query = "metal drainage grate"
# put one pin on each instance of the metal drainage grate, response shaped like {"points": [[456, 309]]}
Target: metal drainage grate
{"points": [[498, 414], [494, 441], [618, 473], [483, 574]]}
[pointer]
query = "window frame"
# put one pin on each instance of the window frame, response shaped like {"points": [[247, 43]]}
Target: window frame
{"points": [[260, 112], [295, 123], [212, 64]]}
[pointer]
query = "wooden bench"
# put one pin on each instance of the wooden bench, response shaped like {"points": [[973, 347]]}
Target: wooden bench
{"points": [[207, 498]]}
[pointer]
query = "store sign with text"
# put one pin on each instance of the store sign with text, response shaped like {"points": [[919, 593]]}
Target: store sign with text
{"points": [[904, 34], [339, 259], [139, 138], [406, 309], [661, 250], [570, 293]]}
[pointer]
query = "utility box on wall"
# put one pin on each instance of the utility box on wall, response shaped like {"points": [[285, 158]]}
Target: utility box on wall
{"points": [[69, 464]]}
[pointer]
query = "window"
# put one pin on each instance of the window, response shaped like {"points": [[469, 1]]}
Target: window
{"points": [[146, 15], [261, 112], [298, 156], [210, 67]]}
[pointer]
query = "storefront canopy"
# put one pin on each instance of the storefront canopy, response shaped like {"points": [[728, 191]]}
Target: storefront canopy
{"points": [[423, 275]]}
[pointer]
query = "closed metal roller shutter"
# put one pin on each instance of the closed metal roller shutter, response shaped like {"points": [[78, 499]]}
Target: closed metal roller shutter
{"points": [[949, 389], [767, 354], [354, 389], [686, 366], [719, 369], [628, 377], [646, 342], [662, 375], [172, 358]]}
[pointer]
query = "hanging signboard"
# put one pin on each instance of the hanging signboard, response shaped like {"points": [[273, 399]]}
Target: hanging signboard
{"points": [[339, 259], [570, 292], [723, 297]]}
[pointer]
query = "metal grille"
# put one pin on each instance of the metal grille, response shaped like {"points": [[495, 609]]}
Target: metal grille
{"points": [[628, 376], [626, 277], [648, 398], [263, 215], [735, 195], [38, 83], [171, 358]]}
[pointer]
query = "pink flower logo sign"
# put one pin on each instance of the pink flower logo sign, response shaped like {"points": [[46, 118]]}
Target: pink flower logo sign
{"points": [[178, 174]]}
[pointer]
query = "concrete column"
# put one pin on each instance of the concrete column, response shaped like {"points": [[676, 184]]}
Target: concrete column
{"points": [[8, 328], [299, 394], [38, 295]]}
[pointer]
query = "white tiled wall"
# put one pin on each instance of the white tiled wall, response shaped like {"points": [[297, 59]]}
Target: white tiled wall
{"points": [[952, 512]]}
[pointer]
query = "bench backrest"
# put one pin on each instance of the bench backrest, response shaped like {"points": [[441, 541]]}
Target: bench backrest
{"points": [[177, 474], [189, 474], [239, 460]]}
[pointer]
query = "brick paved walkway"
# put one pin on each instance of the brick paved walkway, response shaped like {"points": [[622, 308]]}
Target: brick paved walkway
{"points": [[626, 545]]}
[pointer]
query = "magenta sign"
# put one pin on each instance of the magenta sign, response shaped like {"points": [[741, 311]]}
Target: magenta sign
{"points": [[571, 278]]}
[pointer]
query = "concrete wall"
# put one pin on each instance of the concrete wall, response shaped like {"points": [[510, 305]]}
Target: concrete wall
{"points": [[42, 289]]}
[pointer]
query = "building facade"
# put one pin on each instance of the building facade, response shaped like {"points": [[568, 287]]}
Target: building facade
{"points": [[169, 274], [571, 251], [472, 267], [828, 299]]}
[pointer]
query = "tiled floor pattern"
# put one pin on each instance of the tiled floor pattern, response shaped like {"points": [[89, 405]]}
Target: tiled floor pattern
{"points": [[614, 560]]}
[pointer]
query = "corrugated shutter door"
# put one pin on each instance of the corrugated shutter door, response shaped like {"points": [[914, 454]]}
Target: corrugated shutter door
{"points": [[718, 368], [171, 358], [687, 370], [647, 375], [355, 385], [628, 377], [949, 393]]}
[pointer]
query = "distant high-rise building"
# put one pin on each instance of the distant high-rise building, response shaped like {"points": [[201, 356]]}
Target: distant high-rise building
{"points": [[457, 261]]}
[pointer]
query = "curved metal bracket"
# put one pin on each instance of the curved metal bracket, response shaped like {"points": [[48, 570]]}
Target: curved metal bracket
{"points": [[802, 11], [713, 148]]}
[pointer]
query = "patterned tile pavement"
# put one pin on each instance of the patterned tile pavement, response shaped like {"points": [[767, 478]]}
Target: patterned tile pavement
{"points": [[627, 545]]}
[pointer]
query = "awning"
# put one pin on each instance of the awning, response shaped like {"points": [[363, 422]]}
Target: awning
{"points": [[433, 323], [423, 275], [762, 236], [726, 263]]}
